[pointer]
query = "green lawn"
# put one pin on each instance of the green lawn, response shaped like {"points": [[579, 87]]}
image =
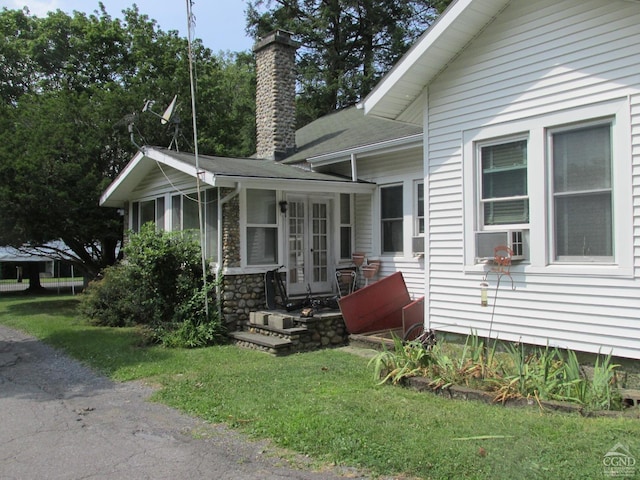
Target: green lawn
{"points": [[327, 405]]}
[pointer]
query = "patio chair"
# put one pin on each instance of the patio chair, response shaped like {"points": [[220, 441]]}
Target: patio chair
{"points": [[346, 282]]}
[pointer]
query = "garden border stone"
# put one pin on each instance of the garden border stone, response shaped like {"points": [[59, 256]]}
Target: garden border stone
{"points": [[423, 384]]}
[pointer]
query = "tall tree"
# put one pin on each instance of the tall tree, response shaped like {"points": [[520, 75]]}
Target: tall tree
{"points": [[347, 45], [69, 86]]}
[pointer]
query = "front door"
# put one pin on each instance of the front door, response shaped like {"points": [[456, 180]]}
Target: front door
{"points": [[309, 246]]}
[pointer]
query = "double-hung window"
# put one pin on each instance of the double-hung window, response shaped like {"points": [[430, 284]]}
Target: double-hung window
{"points": [[147, 211], [419, 209], [346, 226], [391, 208], [504, 198], [582, 193], [559, 184], [262, 228]]}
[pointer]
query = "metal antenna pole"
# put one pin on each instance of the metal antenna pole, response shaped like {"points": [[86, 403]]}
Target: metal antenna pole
{"points": [[198, 172]]}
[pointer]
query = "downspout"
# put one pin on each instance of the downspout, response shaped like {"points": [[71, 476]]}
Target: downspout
{"points": [[354, 168], [221, 202], [427, 211]]}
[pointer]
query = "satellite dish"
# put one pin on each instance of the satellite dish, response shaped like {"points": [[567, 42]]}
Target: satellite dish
{"points": [[147, 106], [168, 113], [167, 116]]}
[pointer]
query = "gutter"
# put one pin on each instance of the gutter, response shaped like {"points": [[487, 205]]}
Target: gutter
{"points": [[394, 144]]}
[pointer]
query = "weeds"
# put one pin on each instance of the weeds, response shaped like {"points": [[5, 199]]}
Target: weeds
{"points": [[517, 372], [407, 360]]}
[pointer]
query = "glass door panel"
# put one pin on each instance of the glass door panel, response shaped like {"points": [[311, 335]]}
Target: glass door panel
{"points": [[309, 249]]}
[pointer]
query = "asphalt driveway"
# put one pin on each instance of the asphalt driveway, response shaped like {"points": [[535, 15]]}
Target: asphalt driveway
{"points": [[60, 420]]}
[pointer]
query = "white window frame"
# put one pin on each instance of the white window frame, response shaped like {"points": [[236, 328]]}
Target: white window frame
{"points": [[267, 226], [210, 198], [192, 197], [481, 226], [541, 231], [159, 206], [553, 255], [416, 206], [400, 252], [348, 225]]}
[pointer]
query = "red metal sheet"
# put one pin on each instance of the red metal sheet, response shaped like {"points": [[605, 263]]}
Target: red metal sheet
{"points": [[412, 313], [377, 306]]}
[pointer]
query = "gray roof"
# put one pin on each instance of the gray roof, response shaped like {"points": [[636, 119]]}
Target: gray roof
{"points": [[250, 167], [346, 129], [335, 133]]}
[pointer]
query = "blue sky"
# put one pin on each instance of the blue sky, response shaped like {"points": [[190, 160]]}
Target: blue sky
{"points": [[219, 23]]}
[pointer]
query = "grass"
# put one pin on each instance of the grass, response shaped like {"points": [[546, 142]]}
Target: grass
{"points": [[325, 404]]}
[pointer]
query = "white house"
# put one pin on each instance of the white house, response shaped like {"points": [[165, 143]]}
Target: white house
{"points": [[531, 119], [345, 183]]}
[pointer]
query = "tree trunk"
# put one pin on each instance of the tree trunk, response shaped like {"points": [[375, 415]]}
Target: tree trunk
{"points": [[33, 274]]}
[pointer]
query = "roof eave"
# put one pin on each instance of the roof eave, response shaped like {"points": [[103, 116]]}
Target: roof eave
{"points": [[396, 144], [297, 184], [110, 197], [399, 88], [117, 193]]}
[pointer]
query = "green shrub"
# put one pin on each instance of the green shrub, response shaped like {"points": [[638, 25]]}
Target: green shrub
{"points": [[158, 285], [112, 301]]}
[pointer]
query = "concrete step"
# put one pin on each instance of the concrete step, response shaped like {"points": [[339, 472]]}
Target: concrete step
{"points": [[274, 345], [630, 397]]}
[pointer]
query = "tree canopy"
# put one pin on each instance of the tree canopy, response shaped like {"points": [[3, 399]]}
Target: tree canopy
{"points": [[347, 45], [69, 85]]}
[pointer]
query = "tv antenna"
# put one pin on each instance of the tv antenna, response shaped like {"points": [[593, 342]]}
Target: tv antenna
{"points": [[169, 116]]}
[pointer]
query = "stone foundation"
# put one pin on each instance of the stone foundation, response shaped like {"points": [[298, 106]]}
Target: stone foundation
{"points": [[301, 334], [241, 295]]}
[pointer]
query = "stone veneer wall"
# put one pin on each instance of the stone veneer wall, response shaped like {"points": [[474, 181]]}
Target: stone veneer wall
{"points": [[275, 95], [241, 295], [275, 130], [230, 230]]}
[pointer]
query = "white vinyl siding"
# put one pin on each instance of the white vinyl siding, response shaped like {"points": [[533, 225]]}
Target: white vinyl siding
{"points": [[568, 62], [405, 168]]}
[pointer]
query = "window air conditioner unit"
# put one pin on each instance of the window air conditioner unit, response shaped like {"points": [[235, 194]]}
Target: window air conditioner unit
{"points": [[417, 245], [487, 241]]}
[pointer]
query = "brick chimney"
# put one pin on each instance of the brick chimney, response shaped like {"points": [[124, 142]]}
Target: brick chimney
{"points": [[275, 95]]}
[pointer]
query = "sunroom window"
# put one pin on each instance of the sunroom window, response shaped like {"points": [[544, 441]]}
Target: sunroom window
{"points": [[504, 198], [147, 211], [262, 228], [582, 194], [185, 217]]}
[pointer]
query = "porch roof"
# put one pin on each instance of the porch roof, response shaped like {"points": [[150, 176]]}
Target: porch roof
{"points": [[226, 172]]}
